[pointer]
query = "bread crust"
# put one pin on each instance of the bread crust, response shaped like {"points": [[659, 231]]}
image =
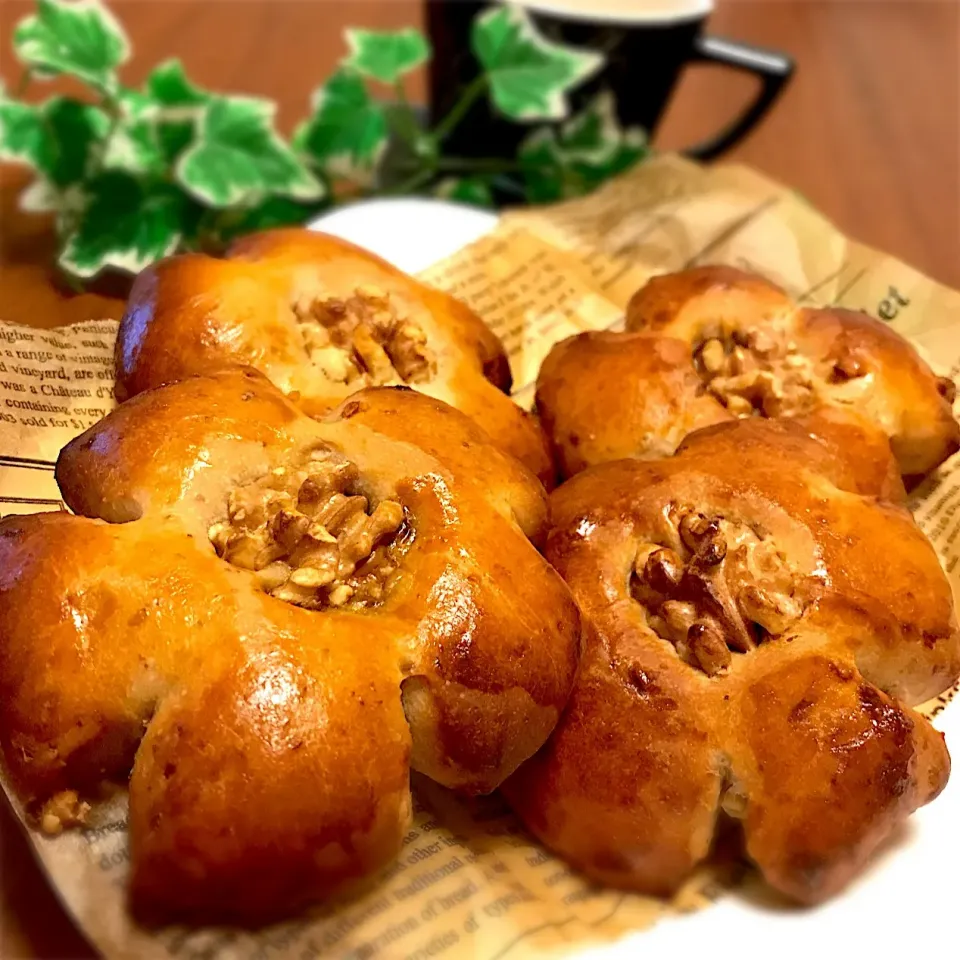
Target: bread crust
{"points": [[268, 745], [190, 314], [807, 738], [605, 395]]}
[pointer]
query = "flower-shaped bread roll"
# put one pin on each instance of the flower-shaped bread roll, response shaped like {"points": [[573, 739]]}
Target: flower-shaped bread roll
{"points": [[712, 344], [757, 621], [281, 617], [321, 318]]}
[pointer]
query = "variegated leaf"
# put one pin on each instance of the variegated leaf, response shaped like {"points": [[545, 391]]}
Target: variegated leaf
{"points": [[82, 38], [238, 158], [473, 190], [386, 55], [529, 75], [347, 133], [127, 223]]}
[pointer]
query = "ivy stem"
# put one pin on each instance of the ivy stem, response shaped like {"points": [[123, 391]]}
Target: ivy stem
{"points": [[506, 185], [95, 159], [23, 83], [481, 165], [74, 283], [411, 183], [401, 93], [212, 224], [402, 119], [470, 95]]}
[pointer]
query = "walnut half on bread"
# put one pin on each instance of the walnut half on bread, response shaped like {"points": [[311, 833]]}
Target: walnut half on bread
{"points": [[713, 344], [265, 622], [759, 616]]}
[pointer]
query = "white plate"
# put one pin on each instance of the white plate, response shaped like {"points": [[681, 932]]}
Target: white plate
{"points": [[409, 232], [904, 903]]}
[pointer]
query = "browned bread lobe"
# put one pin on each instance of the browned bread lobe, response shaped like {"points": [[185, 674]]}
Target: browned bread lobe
{"points": [[715, 343], [265, 621], [759, 618], [321, 318]]}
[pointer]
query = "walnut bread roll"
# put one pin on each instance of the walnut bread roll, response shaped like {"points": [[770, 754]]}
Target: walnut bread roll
{"points": [[321, 318], [264, 621], [714, 344], [759, 618]]}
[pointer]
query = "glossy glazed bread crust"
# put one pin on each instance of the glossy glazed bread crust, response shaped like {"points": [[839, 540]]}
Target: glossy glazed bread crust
{"points": [[268, 723], [712, 343], [284, 302], [758, 621]]}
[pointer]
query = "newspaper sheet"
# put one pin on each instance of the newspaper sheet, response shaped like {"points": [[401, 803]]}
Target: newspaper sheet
{"points": [[469, 882]]}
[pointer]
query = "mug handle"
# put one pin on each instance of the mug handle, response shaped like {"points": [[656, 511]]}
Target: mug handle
{"points": [[774, 70]]}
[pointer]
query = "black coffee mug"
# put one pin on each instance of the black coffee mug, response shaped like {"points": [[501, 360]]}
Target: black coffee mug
{"points": [[646, 44]]}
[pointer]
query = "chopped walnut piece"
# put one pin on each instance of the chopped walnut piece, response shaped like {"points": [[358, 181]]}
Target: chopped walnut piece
{"points": [[947, 389], [310, 538], [62, 811], [707, 643], [762, 372], [726, 590], [703, 537], [663, 570], [713, 356], [679, 616], [340, 594], [847, 368], [772, 610], [739, 407], [734, 803], [364, 340]]}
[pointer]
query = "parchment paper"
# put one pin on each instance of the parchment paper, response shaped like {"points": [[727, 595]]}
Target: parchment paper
{"points": [[469, 882]]}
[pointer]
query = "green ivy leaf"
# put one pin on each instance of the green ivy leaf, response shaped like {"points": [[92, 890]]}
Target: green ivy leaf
{"points": [[82, 38], [348, 130], [386, 55], [168, 85], [273, 212], [528, 75], [181, 106], [76, 131], [590, 148], [595, 143], [543, 172], [40, 196], [473, 190], [594, 134], [22, 133], [57, 138], [127, 223], [134, 144], [238, 157]]}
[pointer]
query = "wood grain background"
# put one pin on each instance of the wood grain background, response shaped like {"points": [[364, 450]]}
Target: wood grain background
{"points": [[869, 132]]}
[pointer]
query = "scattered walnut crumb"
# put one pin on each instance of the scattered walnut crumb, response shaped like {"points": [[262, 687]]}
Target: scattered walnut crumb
{"points": [[62, 811]]}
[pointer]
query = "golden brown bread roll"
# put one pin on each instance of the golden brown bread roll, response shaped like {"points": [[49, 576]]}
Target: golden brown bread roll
{"points": [[281, 617], [711, 344], [758, 621], [321, 318]]}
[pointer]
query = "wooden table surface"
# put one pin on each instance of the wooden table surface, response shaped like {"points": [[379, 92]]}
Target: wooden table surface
{"points": [[869, 132]]}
